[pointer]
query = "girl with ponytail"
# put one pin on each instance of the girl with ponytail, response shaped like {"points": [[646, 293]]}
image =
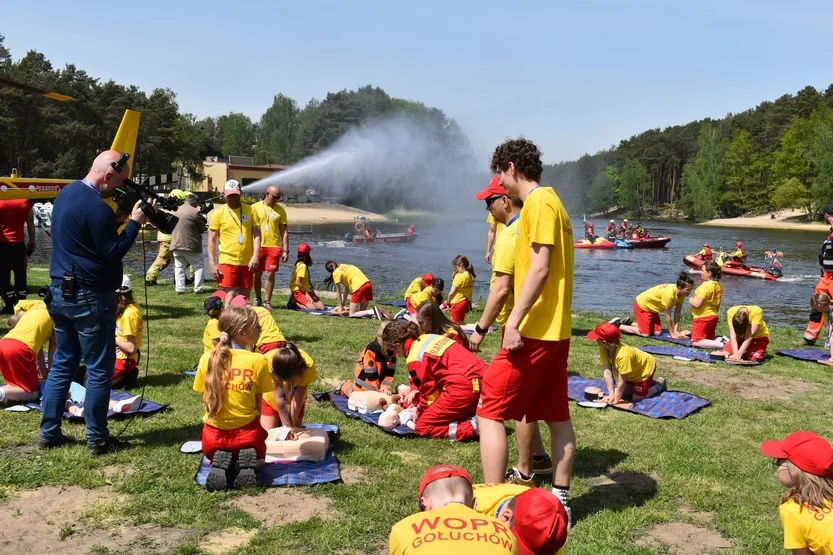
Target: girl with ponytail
{"points": [[232, 381], [462, 285]]}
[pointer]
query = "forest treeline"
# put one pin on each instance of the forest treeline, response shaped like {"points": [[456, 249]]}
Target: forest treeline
{"points": [[775, 156], [46, 138]]}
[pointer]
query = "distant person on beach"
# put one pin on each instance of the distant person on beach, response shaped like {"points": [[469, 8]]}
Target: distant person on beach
{"points": [[825, 281], [15, 215], [349, 279], [274, 243], [232, 228], [300, 287], [661, 298]]}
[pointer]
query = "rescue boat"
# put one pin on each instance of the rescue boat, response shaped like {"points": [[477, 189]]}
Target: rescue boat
{"points": [[599, 244], [650, 242], [696, 261]]}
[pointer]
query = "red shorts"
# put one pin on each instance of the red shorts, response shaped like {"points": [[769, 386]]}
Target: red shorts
{"points": [[18, 365], [251, 435], [301, 297], [640, 389], [647, 321], [270, 259], [363, 294], [457, 311], [267, 410], [411, 308], [266, 347], [703, 328], [232, 277], [528, 383], [123, 367], [756, 350]]}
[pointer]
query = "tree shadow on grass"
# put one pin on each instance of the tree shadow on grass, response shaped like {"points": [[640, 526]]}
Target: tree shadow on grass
{"points": [[591, 462]]}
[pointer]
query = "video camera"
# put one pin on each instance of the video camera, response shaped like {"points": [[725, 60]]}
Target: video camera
{"points": [[131, 192]]}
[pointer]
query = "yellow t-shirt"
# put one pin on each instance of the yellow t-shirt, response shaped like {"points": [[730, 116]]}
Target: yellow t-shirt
{"points": [[453, 528], [300, 270], [269, 330], [544, 221], [804, 527], [489, 497], [712, 294], [308, 377], [33, 328], [211, 332], [498, 226], [465, 285], [231, 225], [633, 365], [130, 323], [27, 304], [248, 377], [503, 261], [349, 276], [414, 288], [659, 298], [426, 294], [270, 220], [756, 316]]}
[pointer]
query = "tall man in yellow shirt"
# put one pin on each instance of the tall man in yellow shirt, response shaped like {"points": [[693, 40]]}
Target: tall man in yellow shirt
{"points": [[527, 379], [274, 242], [233, 226]]}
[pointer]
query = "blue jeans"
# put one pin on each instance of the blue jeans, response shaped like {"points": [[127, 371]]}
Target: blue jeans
{"points": [[84, 327]]}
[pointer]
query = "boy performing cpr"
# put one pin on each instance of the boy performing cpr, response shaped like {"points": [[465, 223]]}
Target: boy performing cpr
{"points": [[635, 368]]}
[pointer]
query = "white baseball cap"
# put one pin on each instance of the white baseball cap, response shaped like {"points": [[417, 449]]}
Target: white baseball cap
{"points": [[125, 285], [232, 187]]}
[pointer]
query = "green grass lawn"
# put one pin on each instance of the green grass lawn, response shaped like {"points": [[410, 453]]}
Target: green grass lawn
{"points": [[631, 472]]}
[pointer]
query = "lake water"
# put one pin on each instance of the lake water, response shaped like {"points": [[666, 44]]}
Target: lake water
{"points": [[605, 281]]}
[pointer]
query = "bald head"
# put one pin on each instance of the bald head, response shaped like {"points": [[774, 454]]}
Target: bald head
{"points": [[104, 176], [273, 194]]}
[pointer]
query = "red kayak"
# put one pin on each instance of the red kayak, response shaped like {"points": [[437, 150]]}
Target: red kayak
{"points": [[386, 238], [696, 261], [650, 242], [599, 244]]}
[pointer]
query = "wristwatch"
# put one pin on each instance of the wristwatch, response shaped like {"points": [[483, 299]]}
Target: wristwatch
{"points": [[480, 330]]}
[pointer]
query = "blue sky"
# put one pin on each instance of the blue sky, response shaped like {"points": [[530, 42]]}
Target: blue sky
{"points": [[574, 76]]}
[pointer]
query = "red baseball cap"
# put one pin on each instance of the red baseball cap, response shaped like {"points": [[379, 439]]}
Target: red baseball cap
{"points": [[808, 451], [441, 472], [428, 278], [494, 188], [606, 332], [706, 245], [304, 248], [219, 294], [540, 523], [239, 300]]}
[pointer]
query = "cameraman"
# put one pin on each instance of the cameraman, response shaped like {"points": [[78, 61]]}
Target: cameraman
{"points": [[86, 269]]}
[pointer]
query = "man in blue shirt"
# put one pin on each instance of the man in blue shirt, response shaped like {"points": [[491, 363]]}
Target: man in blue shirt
{"points": [[86, 269]]}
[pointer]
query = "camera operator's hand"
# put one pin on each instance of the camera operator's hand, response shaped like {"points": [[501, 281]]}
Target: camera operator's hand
{"points": [[137, 215]]}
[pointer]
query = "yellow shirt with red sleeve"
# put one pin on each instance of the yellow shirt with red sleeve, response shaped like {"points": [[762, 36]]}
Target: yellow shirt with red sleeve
{"points": [[415, 287], [453, 528], [130, 323], [269, 330], [210, 334], [33, 329], [544, 221], [349, 276], [492, 221], [633, 365], [300, 271], [756, 316], [231, 226], [270, 219], [659, 298], [248, 377], [309, 375], [465, 286], [437, 363], [712, 294], [503, 261], [807, 528]]}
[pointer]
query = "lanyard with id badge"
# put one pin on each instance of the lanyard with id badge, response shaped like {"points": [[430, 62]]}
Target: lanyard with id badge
{"points": [[238, 222], [266, 211]]}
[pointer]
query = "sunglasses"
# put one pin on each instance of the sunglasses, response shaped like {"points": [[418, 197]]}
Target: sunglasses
{"points": [[778, 463], [276, 197], [492, 199]]}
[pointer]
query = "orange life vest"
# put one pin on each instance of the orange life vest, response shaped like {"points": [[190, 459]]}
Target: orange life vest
{"points": [[373, 371]]}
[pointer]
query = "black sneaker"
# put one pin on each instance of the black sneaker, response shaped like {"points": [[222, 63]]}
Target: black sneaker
{"points": [[109, 445], [150, 283], [218, 477], [189, 281], [63, 440], [615, 321], [258, 302], [246, 462], [627, 321]]}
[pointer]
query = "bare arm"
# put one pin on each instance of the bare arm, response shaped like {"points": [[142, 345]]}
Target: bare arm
{"points": [[256, 251], [127, 347], [696, 302], [283, 411], [212, 248], [490, 240], [494, 304], [285, 242], [42, 369], [299, 397], [608, 377], [339, 296], [746, 342], [536, 277]]}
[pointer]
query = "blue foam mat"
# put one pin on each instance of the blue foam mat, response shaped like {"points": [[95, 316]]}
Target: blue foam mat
{"points": [[665, 350], [809, 355], [399, 304], [665, 336], [288, 474], [148, 407], [372, 418], [669, 404]]}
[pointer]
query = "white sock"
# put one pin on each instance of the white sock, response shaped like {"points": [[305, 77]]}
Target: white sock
{"points": [[561, 494], [2, 394]]}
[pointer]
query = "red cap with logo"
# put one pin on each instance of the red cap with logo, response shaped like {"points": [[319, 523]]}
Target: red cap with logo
{"points": [[606, 332], [806, 450], [441, 472], [428, 278], [239, 300], [540, 522], [494, 188], [304, 248]]}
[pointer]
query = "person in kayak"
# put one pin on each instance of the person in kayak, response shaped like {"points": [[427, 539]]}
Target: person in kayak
{"points": [[705, 307], [661, 298], [706, 253], [589, 232], [738, 258], [610, 231], [623, 229]]}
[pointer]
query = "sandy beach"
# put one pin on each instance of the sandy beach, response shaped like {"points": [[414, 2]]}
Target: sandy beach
{"points": [[326, 213], [767, 222]]}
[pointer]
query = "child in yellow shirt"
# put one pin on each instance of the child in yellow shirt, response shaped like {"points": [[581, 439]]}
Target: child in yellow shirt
{"points": [[462, 285], [293, 370], [212, 307], [805, 467], [129, 331], [705, 307]]}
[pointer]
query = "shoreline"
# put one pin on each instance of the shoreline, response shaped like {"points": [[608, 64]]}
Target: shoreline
{"points": [[326, 213], [780, 222]]}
